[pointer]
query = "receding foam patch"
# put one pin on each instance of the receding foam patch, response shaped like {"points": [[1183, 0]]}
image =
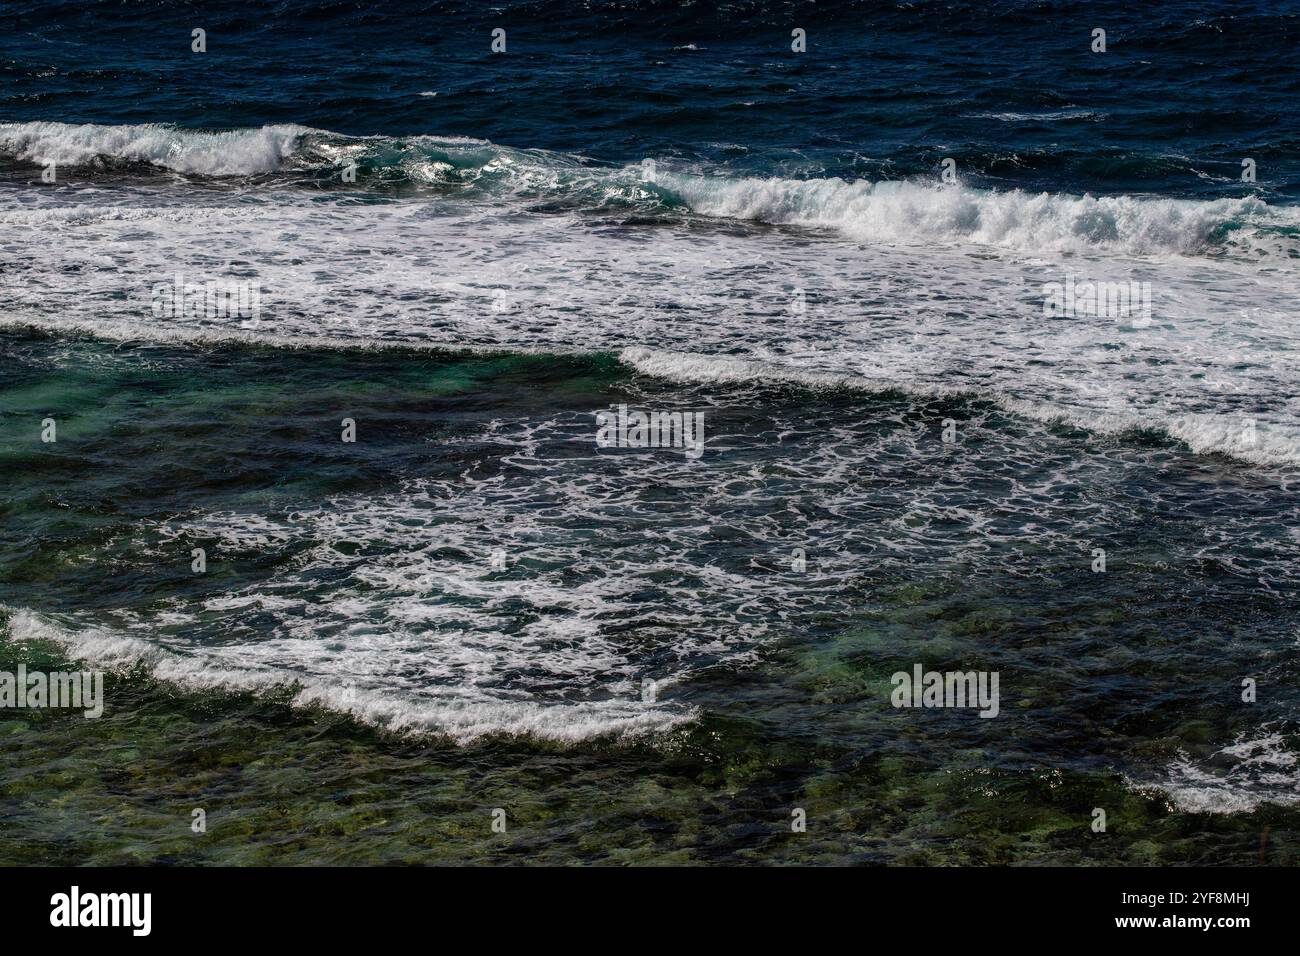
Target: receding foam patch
{"points": [[1255, 770], [460, 713]]}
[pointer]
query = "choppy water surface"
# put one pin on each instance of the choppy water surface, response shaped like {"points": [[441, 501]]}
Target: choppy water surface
{"points": [[643, 655]]}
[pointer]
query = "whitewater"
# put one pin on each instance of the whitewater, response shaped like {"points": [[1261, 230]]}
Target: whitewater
{"points": [[691, 274]]}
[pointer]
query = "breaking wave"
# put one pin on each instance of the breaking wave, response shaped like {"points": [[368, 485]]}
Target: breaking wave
{"points": [[903, 211]]}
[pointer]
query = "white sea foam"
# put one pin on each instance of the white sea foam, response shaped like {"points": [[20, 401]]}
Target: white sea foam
{"points": [[1030, 222], [892, 212], [1202, 433], [1222, 350], [1254, 770], [227, 153], [1216, 369], [392, 610], [461, 713], [1069, 113]]}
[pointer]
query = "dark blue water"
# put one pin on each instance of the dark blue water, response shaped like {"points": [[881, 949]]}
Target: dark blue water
{"points": [[1010, 90]]}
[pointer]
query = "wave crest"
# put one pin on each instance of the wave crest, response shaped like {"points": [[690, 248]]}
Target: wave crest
{"points": [[908, 211], [240, 152], [894, 211]]}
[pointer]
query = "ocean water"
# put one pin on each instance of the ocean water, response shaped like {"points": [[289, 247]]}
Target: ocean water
{"points": [[644, 655]]}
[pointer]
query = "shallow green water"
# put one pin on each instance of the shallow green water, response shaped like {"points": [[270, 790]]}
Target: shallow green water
{"points": [[1120, 690]]}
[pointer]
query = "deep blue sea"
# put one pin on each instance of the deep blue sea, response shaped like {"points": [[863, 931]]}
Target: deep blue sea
{"points": [[989, 313]]}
